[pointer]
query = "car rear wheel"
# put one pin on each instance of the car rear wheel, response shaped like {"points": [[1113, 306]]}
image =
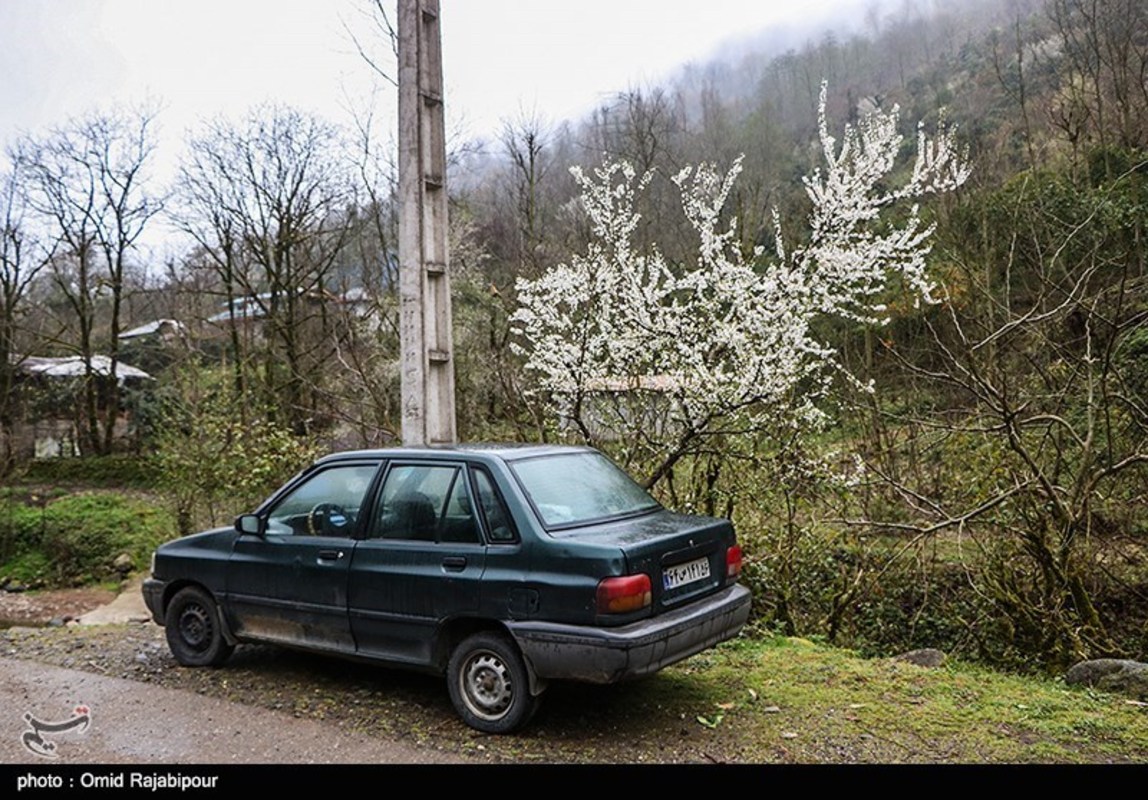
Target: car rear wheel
{"points": [[489, 684], [193, 629]]}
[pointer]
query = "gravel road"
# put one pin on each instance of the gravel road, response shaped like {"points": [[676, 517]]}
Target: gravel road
{"points": [[142, 723], [138, 723]]}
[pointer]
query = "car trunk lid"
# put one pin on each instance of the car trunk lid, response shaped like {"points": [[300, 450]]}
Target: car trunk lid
{"points": [[685, 556]]}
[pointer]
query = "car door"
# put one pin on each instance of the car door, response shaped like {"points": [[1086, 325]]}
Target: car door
{"points": [[289, 585], [421, 562]]}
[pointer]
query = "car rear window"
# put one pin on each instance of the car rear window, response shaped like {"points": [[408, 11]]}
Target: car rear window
{"points": [[570, 489]]}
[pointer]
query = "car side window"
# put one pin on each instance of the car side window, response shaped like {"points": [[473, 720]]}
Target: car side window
{"points": [[498, 525], [326, 504], [458, 522], [426, 504]]}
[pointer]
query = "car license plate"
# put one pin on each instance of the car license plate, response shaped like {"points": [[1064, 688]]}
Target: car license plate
{"points": [[689, 572]]}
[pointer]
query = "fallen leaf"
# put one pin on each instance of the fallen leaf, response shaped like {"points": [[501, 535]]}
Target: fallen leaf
{"points": [[789, 735], [771, 709], [725, 706]]}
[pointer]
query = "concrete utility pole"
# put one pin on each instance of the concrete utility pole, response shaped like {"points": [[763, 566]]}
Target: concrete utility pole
{"points": [[424, 278]]}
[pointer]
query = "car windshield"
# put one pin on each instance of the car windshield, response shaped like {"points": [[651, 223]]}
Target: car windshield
{"points": [[575, 488]]}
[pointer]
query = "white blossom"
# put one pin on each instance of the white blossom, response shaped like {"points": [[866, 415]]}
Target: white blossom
{"points": [[729, 336]]}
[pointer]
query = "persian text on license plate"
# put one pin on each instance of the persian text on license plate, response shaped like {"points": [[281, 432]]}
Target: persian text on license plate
{"points": [[681, 574]]}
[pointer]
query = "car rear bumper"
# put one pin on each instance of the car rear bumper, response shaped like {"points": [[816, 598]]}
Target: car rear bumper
{"points": [[607, 655], [153, 598]]}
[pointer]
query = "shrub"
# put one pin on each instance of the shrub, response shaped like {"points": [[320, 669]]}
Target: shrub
{"points": [[217, 455], [21, 528], [83, 534], [110, 471]]}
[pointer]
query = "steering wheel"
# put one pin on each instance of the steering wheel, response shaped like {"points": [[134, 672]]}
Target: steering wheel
{"points": [[324, 518]]}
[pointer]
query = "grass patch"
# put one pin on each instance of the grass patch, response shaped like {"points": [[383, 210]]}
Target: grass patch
{"points": [[76, 539], [803, 702]]}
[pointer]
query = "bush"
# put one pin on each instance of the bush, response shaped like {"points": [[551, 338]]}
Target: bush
{"points": [[218, 454], [30, 569], [915, 603], [83, 534], [77, 538], [21, 528], [109, 471]]}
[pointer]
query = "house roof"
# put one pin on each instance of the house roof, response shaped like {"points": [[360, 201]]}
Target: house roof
{"points": [[252, 307], [241, 308], [153, 327], [74, 367]]}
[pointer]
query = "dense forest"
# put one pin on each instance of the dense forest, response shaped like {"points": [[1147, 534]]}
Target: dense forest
{"points": [[955, 453]]}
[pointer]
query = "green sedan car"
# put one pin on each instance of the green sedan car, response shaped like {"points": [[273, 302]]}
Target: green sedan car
{"points": [[502, 567]]}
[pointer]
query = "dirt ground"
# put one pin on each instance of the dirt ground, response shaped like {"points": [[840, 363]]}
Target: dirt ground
{"points": [[134, 723], [128, 730], [47, 607]]}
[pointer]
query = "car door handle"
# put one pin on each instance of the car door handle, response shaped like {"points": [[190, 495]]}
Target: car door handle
{"points": [[454, 563], [330, 555]]}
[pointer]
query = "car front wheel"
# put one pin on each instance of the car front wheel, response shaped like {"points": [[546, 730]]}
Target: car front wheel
{"points": [[193, 629], [489, 685]]}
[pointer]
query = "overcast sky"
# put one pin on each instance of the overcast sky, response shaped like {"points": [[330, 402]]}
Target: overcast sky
{"points": [[201, 58]]}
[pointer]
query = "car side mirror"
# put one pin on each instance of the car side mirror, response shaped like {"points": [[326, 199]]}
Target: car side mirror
{"points": [[249, 523]]}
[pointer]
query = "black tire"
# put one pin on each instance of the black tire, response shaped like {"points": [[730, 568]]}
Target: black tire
{"points": [[194, 632], [489, 685]]}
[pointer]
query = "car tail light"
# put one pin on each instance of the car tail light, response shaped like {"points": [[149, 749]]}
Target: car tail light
{"points": [[624, 594], [733, 562]]}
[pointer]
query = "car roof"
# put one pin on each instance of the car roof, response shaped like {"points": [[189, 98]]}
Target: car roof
{"points": [[479, 451]]}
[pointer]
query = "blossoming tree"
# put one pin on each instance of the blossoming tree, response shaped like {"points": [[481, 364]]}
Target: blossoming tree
{"points": [[667, 356]]}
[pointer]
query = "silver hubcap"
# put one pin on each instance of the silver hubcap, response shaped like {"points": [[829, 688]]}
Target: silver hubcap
{"points": [[486, 685]]}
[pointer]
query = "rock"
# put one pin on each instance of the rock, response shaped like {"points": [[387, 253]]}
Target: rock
{"points": [[15, 586], [927, 657], [1111, 675], [123, 564], [1087, 673], [1133, 683]]}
